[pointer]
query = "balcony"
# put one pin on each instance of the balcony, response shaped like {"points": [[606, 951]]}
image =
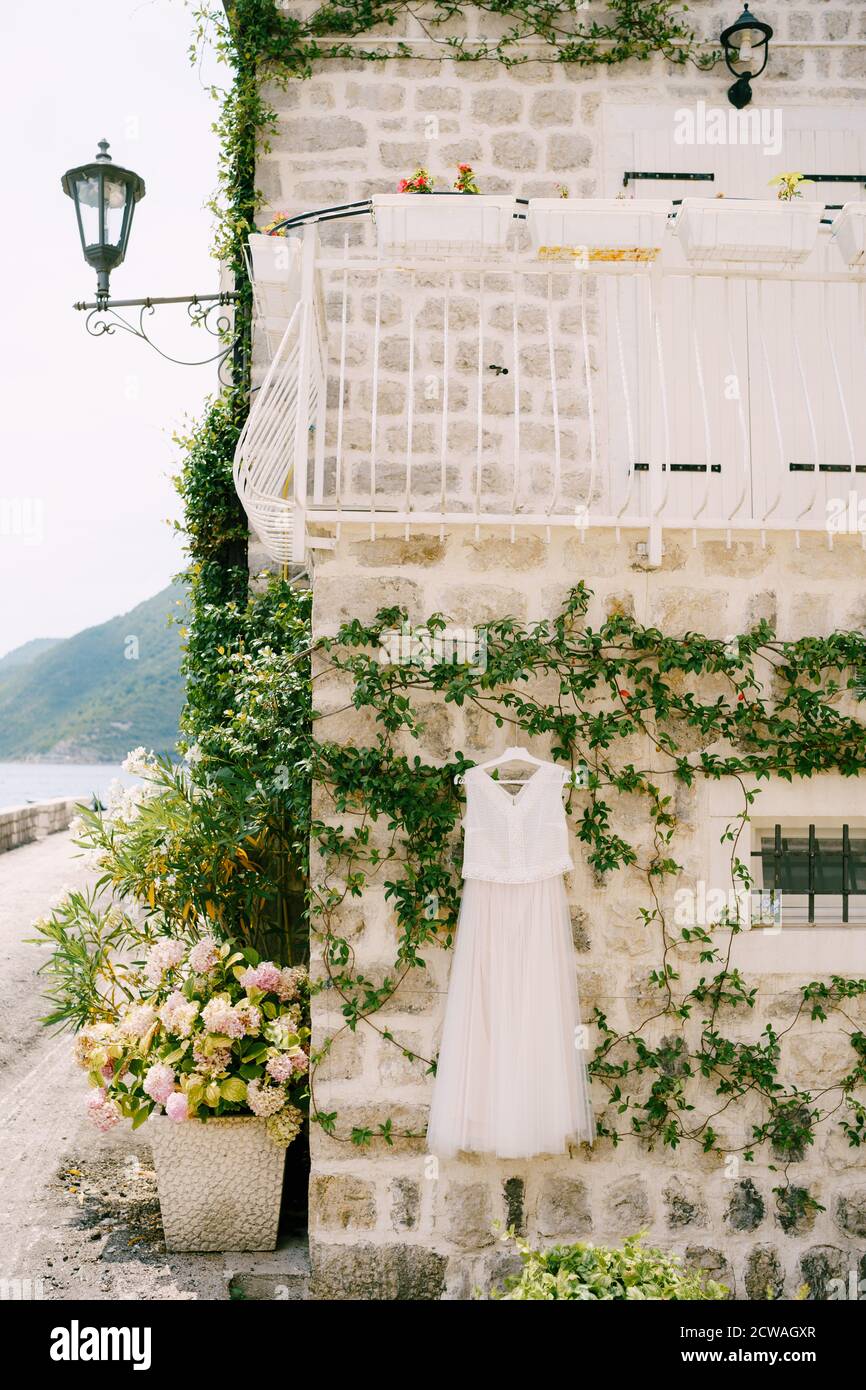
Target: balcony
{"points": [[517, 385]]}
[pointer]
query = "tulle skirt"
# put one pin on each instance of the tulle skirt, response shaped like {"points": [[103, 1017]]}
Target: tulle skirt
{"points": [[511, 1078]]}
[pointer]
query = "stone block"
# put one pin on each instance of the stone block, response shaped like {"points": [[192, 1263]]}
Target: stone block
{"points": [[746, 1207], [338, 599], [563, 1207], [740, 560], [341, 1202], [820, 1267], [496, 106], [467, 1215], [410, 1133], [712, 1263], [438, 98], [375, 96], [397, 553], [552, 108], [367, 1272], [495, 552], [515, 150], [795, 1216], [315, 134], [567, 152], [482, 603], [627, 1206], [405, 1196], [404, 155], [764, 1277], [393, 1067], [684, 1204], [849, 1211]]}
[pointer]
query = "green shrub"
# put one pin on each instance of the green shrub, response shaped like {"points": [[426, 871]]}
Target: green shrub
{"points": [[591, 1272]]}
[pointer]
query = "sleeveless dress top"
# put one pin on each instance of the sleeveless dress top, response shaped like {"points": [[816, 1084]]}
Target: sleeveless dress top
{"points": [[520, 838]]}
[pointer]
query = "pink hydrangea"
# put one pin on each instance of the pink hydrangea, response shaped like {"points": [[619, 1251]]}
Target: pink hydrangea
{"points": [[211, 1063], [90, 1040], [218, 1016], [107, 1072], [250, 1017], [138, 1021], [176, 1107], [165, 955], [204, 956], [265, 976], [159, 1082], [280, 1068], [290, 983], [103, 1111], [301, 1063], [178, 1013], [265, 1100]]}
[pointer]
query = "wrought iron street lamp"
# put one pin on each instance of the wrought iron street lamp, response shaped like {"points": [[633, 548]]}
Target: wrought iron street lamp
{"points": [[105, 195], [747, 42]]}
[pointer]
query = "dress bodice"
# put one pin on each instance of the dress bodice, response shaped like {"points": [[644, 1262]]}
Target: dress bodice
{"points": [[518, 838]]}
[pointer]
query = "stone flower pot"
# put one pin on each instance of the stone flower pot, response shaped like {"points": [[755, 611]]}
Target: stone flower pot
{"points": [[220, 1182]]}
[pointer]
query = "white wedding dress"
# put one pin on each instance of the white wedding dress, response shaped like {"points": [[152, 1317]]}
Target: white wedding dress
{"points": [[511, 1078]]}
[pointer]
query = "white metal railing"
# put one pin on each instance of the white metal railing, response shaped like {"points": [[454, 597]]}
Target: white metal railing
{"points": [[271, 460], [513, 393]]}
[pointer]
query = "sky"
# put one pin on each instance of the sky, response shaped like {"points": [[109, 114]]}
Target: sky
{"points": [[85, 424]]}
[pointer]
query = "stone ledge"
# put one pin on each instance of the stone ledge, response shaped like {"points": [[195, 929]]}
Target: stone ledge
{"points": [[21, 825], [282, 1277]]}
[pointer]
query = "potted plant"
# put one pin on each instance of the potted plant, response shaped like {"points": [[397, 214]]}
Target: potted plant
{"points": [[746, 229], [848, 234], [416, 218], [205, 1042], [597, 229]]}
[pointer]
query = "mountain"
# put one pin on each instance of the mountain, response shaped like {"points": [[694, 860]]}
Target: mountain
{"points": [[92, 697], [23, 655]]}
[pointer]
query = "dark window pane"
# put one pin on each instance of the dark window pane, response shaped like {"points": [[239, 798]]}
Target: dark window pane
{"points": [[857, 866]]}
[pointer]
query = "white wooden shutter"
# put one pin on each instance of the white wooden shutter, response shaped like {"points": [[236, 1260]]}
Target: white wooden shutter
{"points": [[780, 367]]}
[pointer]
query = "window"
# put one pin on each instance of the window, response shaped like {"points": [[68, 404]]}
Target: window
{"points": [[807, 877]]}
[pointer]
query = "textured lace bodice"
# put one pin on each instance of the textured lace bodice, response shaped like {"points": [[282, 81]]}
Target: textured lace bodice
{"points": [[518, 838]]}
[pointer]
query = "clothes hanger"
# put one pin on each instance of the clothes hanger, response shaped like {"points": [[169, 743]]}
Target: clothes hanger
{"points": [[516, 754]]}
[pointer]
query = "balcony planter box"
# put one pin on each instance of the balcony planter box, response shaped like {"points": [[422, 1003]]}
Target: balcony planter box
{"points": [[848, 234], [220, 1182], [440, 222], [598, 229], [274, 266], [742, 229]]}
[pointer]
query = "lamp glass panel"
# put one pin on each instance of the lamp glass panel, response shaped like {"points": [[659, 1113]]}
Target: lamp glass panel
{"points": [[114, 196], [115, 206], [87, 197]]}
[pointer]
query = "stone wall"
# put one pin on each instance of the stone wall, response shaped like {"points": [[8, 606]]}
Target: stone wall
{"points": [[356, 127], [19, 825], [385, 1223]]}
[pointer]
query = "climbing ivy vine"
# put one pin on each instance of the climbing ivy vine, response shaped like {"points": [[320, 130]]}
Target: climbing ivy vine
{"points": [[702, 710]]}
